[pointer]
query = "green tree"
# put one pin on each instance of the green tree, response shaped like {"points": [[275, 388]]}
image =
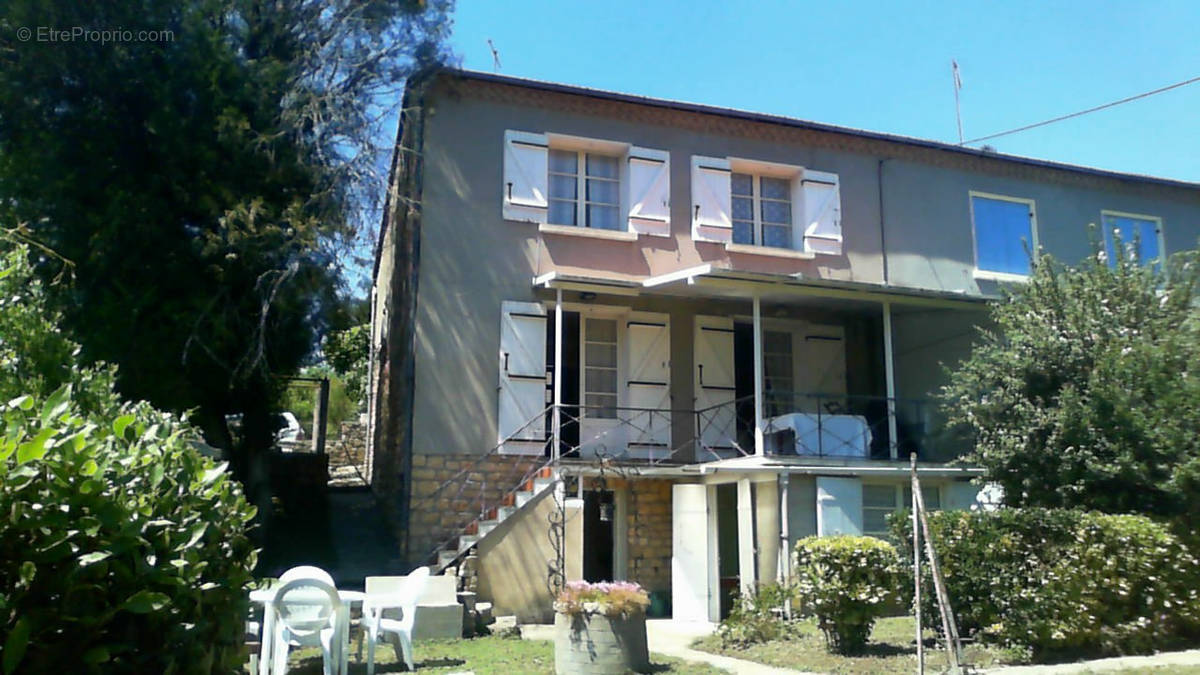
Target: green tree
{"points": [[346, 351], [206, 184], [1086, 392]]}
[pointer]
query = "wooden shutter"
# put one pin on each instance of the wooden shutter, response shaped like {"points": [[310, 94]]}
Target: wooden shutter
{"points": [[711, 209], [648, 381], [526, 158], [649, 192], [715, 387], [821, 359], [839, 506], [822, 213], [522, 392]]}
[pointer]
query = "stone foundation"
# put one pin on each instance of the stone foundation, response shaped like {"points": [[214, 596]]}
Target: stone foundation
{"points": [[450, 491], [649, 519]]}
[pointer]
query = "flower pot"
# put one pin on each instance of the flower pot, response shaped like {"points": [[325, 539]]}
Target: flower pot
{"points": [[594, 643]]}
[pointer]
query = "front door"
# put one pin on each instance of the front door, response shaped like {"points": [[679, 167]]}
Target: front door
{"points": [[600, 432]]}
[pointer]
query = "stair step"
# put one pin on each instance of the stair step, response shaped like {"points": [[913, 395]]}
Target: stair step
{"points": [[466, 541], [524, 496], [487, 526], [446, 557], [540, 484], [504, 512], [546, 472]]}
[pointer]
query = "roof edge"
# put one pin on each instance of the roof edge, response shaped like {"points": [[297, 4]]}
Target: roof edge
{"points": [[809, 125]]}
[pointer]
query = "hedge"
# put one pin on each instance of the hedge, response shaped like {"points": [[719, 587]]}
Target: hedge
{"points": [[1061, 581], [122, 550]]}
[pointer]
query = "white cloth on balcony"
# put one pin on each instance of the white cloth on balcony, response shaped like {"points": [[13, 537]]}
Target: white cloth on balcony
{"points": [[825, 435]]}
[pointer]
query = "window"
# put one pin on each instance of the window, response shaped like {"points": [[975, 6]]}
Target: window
{"points": [[881, 500], [777, 372], [1004, 227], [600, 367], [1139, 236], [598, 183], [762, 210]]}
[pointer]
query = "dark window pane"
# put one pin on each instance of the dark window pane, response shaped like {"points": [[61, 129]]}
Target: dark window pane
{"points": [[742, 184], [562, 161]]}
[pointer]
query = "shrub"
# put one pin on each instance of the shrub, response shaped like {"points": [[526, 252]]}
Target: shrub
{"points": [[846, 583], [122, 549], [1059, 581], [757, 616], [614, 599]]}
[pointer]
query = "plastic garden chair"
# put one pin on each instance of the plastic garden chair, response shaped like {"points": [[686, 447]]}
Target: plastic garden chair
{"points": [[387, 596], [306, 615], [306, 572]]}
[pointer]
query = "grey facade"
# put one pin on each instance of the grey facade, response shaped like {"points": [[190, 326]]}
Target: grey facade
{"points": [[907, 250]]}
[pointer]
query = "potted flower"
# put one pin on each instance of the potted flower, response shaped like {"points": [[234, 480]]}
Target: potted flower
{"points": [[601, 628]]}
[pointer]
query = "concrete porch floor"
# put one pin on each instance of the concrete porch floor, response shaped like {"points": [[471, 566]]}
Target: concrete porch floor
{"points": [[674, 638]]}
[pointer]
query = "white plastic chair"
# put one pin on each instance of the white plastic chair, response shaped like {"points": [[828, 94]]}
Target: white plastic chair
{"points": [[306, 572], [306, 615], [386, 595]]}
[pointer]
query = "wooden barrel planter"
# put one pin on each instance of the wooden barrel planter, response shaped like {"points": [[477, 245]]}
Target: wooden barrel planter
{"points": [[595, 643]]}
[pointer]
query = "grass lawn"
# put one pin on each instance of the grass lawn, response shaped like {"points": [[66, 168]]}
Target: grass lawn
{"points": [[890, 650], [483, 655]]}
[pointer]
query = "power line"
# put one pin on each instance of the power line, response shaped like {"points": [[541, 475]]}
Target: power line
{"points": [[1084, 112]]}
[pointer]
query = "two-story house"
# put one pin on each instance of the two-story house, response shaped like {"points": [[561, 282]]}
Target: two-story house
{"points": [[620, 337]]}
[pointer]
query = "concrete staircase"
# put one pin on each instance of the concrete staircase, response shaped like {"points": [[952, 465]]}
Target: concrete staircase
{"points": [[512, 504]]}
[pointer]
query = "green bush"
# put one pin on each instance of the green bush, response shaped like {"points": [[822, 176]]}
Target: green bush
{"points": [[757, 616], [122, 549], [1061, 582], [846, 583]]}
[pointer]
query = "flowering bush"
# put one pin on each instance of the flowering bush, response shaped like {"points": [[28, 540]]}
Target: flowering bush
{"points": [[847, 583], [614, 599]]}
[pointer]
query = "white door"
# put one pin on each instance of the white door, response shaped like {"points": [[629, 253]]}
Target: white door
{"points": [[521, 418], [647, 385], [821, 359], [690, 557], [839, 506], [714, 387], [601, 433]]}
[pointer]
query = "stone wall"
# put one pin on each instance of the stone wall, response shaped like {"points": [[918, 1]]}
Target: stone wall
{"points": [[347, 455], [649, 527], [450, 491]]}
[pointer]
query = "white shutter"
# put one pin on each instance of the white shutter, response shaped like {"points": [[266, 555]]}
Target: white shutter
{"points": [[714, 386], [522, 393], [690, 553], [649, 192], [839, 506], [711, 209], [648, 383], [526, 158], [822, 213]]}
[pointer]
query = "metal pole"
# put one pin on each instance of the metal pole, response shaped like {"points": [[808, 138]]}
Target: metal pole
{"points": [[321, 418], [558, 341], [916, 544], [758, 380], [889, 373]]}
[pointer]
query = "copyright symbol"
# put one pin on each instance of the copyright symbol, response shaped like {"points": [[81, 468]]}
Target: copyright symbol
{"points": [[23, 34]]}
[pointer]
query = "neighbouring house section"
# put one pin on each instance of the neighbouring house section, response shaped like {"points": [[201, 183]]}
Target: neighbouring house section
{"points": [[622, 338]]}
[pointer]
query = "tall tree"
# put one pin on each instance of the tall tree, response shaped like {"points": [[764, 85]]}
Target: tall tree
{"points": [[204, 165], [1086, 394]]}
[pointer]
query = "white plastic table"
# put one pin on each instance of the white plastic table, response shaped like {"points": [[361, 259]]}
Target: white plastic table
{"points": [[829, 435], [341, 638]]}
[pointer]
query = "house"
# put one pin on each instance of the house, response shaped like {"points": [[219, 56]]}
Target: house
{"points": [[620, 337]]}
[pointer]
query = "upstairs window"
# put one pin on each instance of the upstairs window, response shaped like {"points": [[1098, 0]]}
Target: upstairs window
{"points": [[599, 184], [881, 500], [1004, 227], [557, 180], [750, 203], [762, 210], [1140, 237]]}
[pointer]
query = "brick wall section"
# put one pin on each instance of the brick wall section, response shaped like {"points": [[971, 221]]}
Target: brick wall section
{"points": [[649, 526], [448, 492]]}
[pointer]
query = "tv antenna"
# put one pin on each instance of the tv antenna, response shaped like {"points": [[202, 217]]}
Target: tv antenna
{"points": [[496, 62], [957, 107]]}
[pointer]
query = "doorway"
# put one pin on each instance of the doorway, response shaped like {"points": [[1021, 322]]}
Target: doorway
{"points": [[599, 516]]}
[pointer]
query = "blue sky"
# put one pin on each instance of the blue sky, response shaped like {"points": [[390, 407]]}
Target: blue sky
{"points": [[883, 66]]}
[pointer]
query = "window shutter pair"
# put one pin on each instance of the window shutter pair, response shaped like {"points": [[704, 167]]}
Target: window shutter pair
{"points": [[526, 184], [816, 207]]}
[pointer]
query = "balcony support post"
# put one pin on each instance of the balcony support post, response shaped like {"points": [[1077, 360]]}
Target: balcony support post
{"points": [[759, 444], [889, 369], [556, 432]]}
